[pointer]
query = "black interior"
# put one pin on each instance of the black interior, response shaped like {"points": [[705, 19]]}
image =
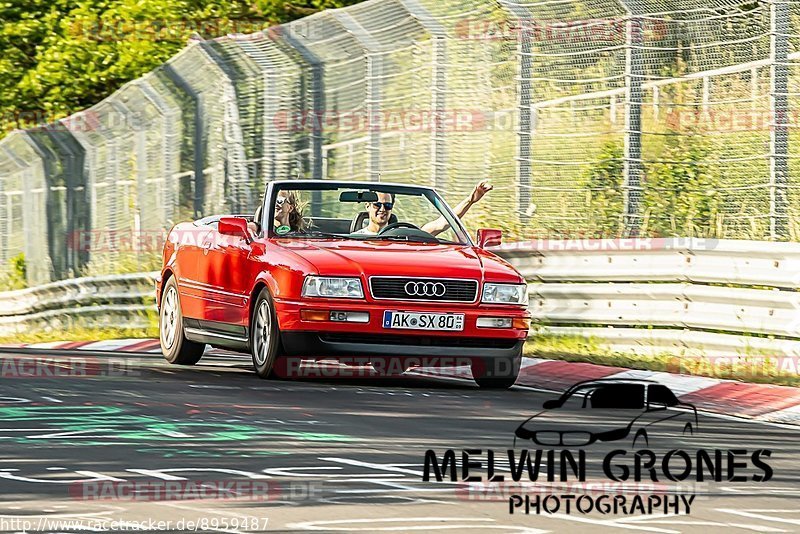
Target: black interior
{"points": [[329, 224]]}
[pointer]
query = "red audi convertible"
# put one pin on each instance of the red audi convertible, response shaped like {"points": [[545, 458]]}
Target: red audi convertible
{"points": [[336, 270]]}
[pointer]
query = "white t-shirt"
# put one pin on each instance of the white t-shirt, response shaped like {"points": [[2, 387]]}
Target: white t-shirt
{"points": [[365, 231]]}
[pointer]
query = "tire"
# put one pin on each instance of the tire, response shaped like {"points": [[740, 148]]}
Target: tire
{"points": [[496, 373], [264, 336], [641, 435], [174, 346]]}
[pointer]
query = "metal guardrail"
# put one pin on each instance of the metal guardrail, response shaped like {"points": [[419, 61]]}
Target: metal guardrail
{"points": [[666, 295], [102, 301], [642, 295]]}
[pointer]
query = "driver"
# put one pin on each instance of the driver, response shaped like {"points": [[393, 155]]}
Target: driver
{"points": [[380, 211]]}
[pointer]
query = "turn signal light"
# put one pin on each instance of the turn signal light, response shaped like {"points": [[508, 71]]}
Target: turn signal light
{"points": [[522, 323], [314, 315]]}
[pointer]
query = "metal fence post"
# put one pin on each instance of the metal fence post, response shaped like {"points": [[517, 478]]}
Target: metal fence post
{"points": [[524, 90], [779, 111], [269, 96], [197, 137], [632, 178], [438, 91], [168, 116], [317, 101], [57, 241], [240, 192], [78, 209], [372, 53], [38, 269], [129, 117]]}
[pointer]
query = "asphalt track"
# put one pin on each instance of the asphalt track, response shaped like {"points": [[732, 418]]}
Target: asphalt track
{"points": [[330, 455]]}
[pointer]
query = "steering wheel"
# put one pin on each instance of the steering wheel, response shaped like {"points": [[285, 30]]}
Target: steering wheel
{"points": [[397, 225]]}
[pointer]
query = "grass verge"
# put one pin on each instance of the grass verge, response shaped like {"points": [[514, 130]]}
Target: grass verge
{"points": [[81, 334]]}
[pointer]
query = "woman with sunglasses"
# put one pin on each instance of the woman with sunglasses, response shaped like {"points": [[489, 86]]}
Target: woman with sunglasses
{"points": [[288, 213]]}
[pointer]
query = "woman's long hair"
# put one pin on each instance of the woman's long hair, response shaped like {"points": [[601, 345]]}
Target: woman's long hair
{"points": [[296, 221]]}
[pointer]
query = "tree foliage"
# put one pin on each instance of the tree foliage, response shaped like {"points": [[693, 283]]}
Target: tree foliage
{"points": [[683, 189], [605, 194], [58, 57]]}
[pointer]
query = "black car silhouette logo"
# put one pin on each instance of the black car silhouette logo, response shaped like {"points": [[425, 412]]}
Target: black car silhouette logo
{"points": [[609, 410]]}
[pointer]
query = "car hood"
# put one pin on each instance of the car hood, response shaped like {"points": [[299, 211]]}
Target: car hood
{"points": [[392, 258]]}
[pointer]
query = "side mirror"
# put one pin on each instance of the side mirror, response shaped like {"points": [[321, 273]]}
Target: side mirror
{"points": [[551, 404], [234, 226], [488, 237]]}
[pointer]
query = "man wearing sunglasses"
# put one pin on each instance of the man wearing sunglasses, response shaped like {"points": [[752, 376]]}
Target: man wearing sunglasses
{"points": [[380, 211]]}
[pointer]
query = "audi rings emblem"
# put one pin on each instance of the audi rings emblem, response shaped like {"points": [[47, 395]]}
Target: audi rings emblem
{"points": [[425, 289]]}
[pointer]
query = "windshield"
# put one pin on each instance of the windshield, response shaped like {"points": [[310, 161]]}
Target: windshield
{"points": [[356, 212]]}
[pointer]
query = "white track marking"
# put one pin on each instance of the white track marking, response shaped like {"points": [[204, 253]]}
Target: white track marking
{"points": [[752, 515], [110, 344]]}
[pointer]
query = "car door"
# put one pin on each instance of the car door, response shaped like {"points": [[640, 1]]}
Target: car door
{"points": [[226, 281], [188, 258]]}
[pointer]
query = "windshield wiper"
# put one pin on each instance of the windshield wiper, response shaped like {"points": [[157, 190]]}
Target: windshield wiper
{"points": [[410, 239], [315, 233]]}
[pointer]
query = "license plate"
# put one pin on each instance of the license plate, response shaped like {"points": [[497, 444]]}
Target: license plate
{"points": [[423, 321]]}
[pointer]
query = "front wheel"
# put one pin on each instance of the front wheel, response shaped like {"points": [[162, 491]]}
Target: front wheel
{"points": [[496, 373], [264, 335]]}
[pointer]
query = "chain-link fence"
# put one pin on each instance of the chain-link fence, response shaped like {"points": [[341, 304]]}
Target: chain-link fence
{"points": [[591, 117]]}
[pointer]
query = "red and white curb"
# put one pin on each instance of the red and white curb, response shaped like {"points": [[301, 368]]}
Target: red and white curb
{"points": [[763, 402]]}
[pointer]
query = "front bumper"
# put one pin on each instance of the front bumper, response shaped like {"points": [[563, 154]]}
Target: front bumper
{"points": [[329, 338], [321, 344]]}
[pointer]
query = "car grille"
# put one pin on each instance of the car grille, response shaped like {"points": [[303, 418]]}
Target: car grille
{"points": [[429, 289], [424, 341]]}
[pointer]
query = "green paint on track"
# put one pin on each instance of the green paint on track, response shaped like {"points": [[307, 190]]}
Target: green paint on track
{"points": [[88, 425]]}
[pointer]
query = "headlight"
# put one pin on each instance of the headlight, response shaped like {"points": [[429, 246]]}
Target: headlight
{"points": [[320, 286], [505, 294]]}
